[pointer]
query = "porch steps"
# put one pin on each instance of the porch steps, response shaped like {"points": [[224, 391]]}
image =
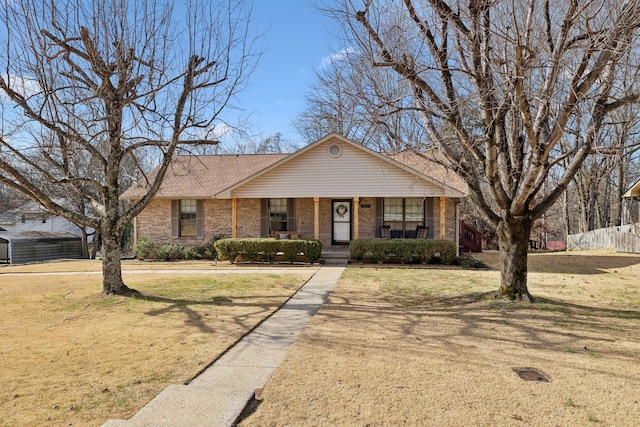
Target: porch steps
{"points": [[338, 256]]}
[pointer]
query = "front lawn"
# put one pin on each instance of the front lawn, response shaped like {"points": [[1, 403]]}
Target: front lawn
{"points": [[433, 347], [73, 357]]}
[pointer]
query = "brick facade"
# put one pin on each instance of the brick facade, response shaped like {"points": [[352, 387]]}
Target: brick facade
{"points": [[155, 221], [304, 217], [367, 214], [248, 218]]}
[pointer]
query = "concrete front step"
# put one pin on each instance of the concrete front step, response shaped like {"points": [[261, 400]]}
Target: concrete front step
{"points": [[336, 256]]}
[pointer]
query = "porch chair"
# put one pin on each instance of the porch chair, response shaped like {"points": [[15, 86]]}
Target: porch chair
{"points": [[385, 231], [422, 232]]}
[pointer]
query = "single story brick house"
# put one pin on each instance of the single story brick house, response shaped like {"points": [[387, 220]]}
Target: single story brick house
{"points": [[334, 190]]}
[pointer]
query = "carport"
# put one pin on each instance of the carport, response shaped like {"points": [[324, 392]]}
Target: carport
{"points": [[24, 247]]}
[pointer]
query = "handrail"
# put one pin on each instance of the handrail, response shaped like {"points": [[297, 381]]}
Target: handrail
{"points": [[470, 237]]}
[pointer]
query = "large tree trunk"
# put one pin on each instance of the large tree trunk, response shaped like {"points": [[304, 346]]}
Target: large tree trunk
{"points": [[513, 241], [112, 283]]}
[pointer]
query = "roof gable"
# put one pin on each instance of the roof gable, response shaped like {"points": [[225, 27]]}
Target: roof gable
{"points": [[337, 167]]}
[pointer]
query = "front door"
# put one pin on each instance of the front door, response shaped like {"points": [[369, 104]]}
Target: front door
{"points": [[341, 222]]}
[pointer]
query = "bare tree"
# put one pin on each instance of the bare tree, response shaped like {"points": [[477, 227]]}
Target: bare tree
{"points": [[605, 176], [106, 86], [10, 199], [497, 84], [365, 104], [273, 144]]}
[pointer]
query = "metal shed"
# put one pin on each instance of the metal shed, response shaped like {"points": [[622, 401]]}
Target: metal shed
{"points": [[24, 247]]}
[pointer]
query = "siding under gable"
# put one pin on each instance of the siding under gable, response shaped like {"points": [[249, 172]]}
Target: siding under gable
{"points": [[353, 173]]}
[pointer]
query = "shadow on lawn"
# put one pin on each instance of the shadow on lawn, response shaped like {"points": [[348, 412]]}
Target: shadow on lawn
{"points": [[568, 262], [472, 320], [198, 319]]}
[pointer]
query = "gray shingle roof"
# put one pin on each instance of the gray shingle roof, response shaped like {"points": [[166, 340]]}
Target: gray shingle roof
{"points": [[201, 177], [432, 168]]}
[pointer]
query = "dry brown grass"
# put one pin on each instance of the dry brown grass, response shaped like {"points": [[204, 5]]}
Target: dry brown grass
{"points": [[409, 346], [73, 357]]}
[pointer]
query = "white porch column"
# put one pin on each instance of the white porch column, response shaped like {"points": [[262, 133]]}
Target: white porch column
{"points": [[316, 218]]}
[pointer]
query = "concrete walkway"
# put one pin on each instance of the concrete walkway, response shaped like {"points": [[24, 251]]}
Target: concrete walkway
{"points": [[218, 396]]}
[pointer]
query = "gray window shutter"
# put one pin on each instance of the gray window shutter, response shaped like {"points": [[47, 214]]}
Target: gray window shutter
{"points": [[200, 219], [291, 215], [264, 218], [428, 213], [379, 215], [175, 215]]}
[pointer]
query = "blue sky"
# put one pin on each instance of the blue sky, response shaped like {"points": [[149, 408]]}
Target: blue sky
{"points": [[296, 39]]}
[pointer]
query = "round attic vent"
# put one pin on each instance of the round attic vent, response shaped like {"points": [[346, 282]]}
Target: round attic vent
{"points": [[335, 150]]}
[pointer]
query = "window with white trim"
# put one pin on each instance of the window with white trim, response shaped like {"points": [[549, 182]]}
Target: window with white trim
{"points": [[404, 215]]}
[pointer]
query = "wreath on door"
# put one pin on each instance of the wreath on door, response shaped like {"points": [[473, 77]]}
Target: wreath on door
{"points": [[341, 210]]}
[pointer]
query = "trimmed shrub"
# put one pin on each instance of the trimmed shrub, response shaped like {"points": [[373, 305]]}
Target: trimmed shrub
{"points": [[266, 250], [170, 252], [144, 248], [270, 248], [291, 248], [313, 250], [228, 249], [403, 250]]}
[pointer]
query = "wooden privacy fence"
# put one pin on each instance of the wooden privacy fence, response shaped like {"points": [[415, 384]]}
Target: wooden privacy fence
{"points": [[624, 238]]}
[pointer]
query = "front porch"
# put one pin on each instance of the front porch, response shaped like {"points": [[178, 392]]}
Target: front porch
{"points": [[337, 221]]}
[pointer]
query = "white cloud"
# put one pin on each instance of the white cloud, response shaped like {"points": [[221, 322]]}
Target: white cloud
{"points": [[23, 85], [337, 57], [217, 131], [212, 133]]}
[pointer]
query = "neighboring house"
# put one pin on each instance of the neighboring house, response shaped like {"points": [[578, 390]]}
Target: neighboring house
{"points": [[33, 217], [622, 238], [630, 205], [334, 190]]}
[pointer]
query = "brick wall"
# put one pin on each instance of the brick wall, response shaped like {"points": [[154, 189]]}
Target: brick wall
{"points": [[450, 218], [304, 217], [249, 212], [217, 218], [367, 223], [155, 222]]}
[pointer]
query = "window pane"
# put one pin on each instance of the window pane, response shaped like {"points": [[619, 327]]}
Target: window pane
{"points": [[188, 228], [403, 215], [278, 214], [187, 218], [278, 206], [187, 207], [392, 210], [414, 211]]}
